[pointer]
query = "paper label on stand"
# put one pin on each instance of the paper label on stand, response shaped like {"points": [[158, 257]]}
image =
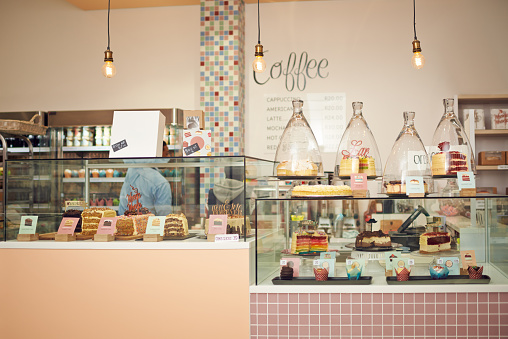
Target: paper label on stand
{"points": [[414, 185], [107, 226], [218, 224], [468, 258], [452, 263], [156, 225], [291, 262], [416, 160], [68, 225], [75, 204], [359, 181], [466, 180], [226, 237], [28, 224], [502, 167], [119, 145], [390, 257], [191, 149]]}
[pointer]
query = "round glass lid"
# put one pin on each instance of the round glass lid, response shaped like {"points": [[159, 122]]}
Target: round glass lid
{"points": [[451, 150], [298, 152], [358, 152], [408, 158]]}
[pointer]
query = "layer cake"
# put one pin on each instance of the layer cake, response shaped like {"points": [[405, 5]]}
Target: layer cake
{"points": [[91, 218], [435, 242], [176, 225], [368, 239]]}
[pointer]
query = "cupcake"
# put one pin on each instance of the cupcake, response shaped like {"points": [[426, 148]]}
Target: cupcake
{"points": [[95, 173], [81, 173], [475, 272], [402, 273], [109, 173], [321, 274], [439, 272], [67, 173]]}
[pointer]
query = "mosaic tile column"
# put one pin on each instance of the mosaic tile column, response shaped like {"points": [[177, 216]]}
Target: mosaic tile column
{"points": [[222, 80]]}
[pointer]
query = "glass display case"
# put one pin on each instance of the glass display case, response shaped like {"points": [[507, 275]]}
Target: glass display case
{"points": [[472, 223], [199, 186]]}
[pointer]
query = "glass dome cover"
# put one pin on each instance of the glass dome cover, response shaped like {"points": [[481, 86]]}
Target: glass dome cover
{"points": [[407, 158], [298, 152], [451, 150], [358, 152]]}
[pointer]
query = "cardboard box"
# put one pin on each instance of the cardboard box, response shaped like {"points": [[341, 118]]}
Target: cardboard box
{"points": [[499, 118], [197, 143], [193, 119], [479, 118], [137, 134], [489, 190], [390, 225], [492, 158]]}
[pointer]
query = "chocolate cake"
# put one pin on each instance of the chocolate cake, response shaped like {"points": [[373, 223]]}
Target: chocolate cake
{"points": [[373, 239], [286, 273]]}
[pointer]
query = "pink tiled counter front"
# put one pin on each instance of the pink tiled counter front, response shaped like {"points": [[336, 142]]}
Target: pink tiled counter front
{"points": [[379, 315]]}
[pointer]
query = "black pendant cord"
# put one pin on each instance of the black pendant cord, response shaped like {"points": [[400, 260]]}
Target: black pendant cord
{"points": [[109, 4], [414, 18], [259, 28]]}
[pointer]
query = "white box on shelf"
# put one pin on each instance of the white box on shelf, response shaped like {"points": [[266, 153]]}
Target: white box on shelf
{"points": [[479, 118], [137, 134], [499, 118]]}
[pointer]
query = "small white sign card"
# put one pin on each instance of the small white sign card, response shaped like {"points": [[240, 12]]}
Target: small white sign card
{"points": [[226, 237], [155, 225], [28, 224], [414, 185], [452, 263], [466, 180]]}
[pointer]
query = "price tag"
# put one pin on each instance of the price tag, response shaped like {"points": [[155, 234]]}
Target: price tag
{"points": [[480, 204], [155, 225], [217, 224], [28, 224], [226, 237], [411, 262], [349, 262], [107, 226], [191, 149], [439, 261], [316, 262], [283, 262], [502, 167], [359, 181], [466, 180], [414, 185], [68, 225], [119, 145], [75, 204]]}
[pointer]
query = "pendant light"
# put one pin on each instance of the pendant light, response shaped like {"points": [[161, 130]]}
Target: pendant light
{"points": [[108, 69], [417, 60], [259, 64]]}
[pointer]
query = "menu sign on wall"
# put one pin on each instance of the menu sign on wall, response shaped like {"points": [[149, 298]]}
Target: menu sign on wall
{"points": [[325, 112]]}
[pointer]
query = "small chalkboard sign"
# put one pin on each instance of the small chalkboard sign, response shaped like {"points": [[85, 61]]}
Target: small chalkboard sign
{"points": [[119, 145], [191, 149]]}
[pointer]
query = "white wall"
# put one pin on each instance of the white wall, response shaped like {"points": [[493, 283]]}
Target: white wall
{"points": [[368, 46], [52, 53]]}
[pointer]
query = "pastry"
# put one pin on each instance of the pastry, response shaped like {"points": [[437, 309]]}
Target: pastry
{"points": [[300, 168], [309, 241], [176, 225], [92, 217], [448, 162], [397, 187], [435, 242], [321, 190], [368, 239], [357, 165], [140, 219], [124, 226], [286, 273]]}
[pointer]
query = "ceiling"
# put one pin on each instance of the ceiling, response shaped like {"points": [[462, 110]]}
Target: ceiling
{"points": [[115, 4]]}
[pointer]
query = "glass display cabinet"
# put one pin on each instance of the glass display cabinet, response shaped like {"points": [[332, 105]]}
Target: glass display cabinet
{"points": [[200, 186], [477, 223]]}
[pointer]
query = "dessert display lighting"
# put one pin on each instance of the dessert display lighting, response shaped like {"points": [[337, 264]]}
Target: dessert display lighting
{"points": [[418, 61], [108, 69]]}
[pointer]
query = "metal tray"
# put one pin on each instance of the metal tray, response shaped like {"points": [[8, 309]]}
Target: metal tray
{"points": [[331, 281], [427, 280]]}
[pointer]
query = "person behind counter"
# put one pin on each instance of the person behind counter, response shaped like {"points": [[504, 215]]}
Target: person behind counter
{"points": [[146, 187]]}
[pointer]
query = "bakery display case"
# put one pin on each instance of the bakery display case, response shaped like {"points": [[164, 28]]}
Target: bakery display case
{"points": [[199, 186], [304, 230]]}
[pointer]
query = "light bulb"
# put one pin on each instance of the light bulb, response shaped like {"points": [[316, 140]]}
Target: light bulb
{"points": [[108, 69], [259, 64], [418, 61]]}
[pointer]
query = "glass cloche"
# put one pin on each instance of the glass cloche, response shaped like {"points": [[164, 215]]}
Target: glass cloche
{"points": [[407, 158], [451, 150], [298, 152], [358, 152]]}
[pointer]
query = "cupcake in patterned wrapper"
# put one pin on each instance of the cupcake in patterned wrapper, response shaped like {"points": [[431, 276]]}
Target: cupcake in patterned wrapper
{"points": [[475, 272], [321, 274], [402, 273]]}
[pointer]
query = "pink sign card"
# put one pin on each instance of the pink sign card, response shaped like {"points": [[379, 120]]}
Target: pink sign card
{"points": [[68, 225], [359, 181], [107, 226], [218, 224], [291, 262]]}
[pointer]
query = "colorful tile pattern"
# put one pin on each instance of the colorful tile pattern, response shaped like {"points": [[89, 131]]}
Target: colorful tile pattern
{"points": [[379, 315], [222, 78]]}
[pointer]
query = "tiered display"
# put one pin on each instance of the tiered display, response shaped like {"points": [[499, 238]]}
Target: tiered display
{"points": [[451, 150], [408, 158], [298, 152], [358, 152]]}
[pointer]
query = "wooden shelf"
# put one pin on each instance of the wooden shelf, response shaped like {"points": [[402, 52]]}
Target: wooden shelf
{"points": [[491, 132], [483, 99], [491, 168]]}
